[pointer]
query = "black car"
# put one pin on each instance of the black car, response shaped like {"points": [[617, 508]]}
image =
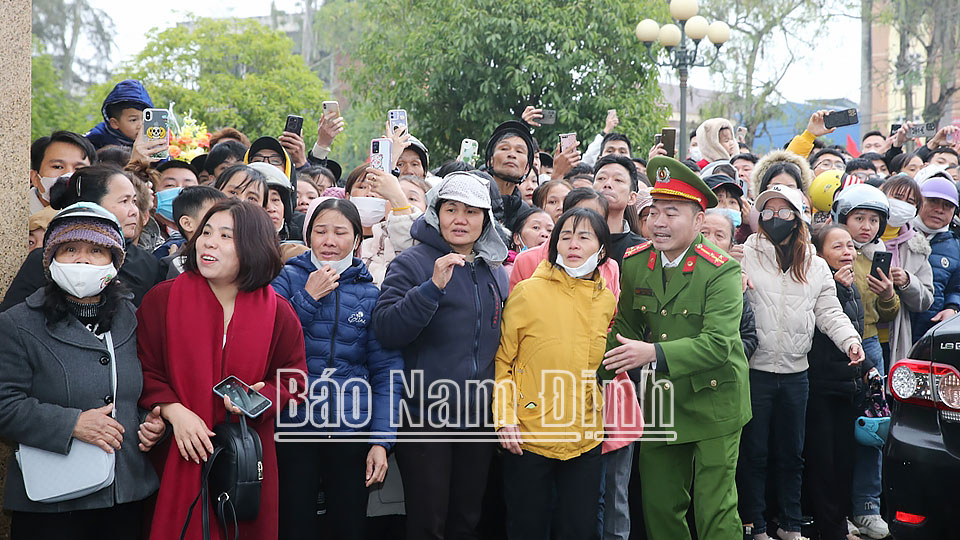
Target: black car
{"points": [[921, 465]]}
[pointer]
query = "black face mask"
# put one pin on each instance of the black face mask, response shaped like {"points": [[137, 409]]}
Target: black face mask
{"points": [[778, 229]]}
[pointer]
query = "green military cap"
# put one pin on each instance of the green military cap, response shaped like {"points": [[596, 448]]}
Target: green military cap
{"points": [[675, 181]]}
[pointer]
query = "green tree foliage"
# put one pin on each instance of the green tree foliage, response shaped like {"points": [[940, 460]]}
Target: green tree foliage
{"points": [[460, 67], [51, 108], [229, 73], [67, 29]]}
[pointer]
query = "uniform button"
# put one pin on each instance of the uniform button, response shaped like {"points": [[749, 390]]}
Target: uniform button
{"points": [[666, 386], [684, 312], [713, 383], [104, 360], [108, 399], [643, 308], [663, 312], [663, 336]]}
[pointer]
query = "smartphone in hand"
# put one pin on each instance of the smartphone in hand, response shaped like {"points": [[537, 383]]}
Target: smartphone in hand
{"points": [[381, 152], [331, 106], [398, 120], [881, 261], [567, 140], [549, 117], [668, 136], [846, 117], [248, 400], [294, 124], [156, 126]]}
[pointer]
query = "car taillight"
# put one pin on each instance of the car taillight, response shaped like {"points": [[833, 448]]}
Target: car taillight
{"points": [[926, 384], [911, 519]]}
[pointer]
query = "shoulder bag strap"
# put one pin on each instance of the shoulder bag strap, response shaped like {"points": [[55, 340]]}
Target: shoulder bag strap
{"points": [[108, 339]]}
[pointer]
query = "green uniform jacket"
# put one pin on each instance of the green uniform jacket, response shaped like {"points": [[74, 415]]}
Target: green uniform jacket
{"points": [[694, 319]]}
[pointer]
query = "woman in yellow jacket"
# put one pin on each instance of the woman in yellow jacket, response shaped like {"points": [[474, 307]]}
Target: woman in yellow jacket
{"points": [[547, 404]]}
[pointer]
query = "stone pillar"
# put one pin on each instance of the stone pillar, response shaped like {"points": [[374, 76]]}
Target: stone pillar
{"points": [[15, 18]]}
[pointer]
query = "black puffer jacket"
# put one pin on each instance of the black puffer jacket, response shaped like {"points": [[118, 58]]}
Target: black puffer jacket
{"points": [[748, 329], [829, 372]]}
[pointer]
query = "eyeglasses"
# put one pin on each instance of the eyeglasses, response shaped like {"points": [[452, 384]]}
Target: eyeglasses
{"points": [[783, 213], [835, 165], [273, 160]]}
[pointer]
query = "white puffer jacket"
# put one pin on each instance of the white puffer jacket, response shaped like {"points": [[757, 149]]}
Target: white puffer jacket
{"points": [[786, 311]]}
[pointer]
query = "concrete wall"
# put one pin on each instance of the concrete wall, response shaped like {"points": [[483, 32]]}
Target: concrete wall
{"points": [[15, 19]]}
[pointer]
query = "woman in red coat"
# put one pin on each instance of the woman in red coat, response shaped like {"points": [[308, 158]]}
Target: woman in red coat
{"points": [[219, 318]]}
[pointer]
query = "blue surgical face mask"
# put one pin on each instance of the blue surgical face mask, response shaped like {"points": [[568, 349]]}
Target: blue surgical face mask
{"points": [[165, 202], [735, 216]]}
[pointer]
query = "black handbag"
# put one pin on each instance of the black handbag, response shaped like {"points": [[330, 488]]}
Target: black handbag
{"points": [[231, 477]]}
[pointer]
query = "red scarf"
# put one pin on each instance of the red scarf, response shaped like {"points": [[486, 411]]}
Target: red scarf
{"points": [[197, 360]]}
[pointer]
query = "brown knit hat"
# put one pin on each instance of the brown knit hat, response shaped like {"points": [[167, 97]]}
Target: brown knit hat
{"points": [[84, 222]]}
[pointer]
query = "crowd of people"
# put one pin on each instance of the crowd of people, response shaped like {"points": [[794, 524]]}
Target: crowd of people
{"points": [[474, 352]]}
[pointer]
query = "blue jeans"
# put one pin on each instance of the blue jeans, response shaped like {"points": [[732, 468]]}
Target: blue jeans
{"points": [[779, 406], [866, 488]]}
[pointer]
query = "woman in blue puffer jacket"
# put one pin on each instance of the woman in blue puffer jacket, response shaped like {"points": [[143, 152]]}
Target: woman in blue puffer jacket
{"points": [[351, 388]]}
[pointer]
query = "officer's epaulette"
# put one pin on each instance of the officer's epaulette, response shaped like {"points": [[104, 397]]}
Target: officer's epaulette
{"points": [[715, 258], [637, 249]]}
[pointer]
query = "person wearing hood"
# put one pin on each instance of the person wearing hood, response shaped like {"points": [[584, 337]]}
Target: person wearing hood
{"points": [[122, 115], [793, 294], [939, 206], [334, 296], [910, 267], [864, 210], [112, 189], [279, 207], [441, 304], [776, 168], [509, 158], [716, 140], [550, 485], [66, 346]]}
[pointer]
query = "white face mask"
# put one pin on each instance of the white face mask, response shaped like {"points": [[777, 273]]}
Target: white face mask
{"points": [[584, 269], [82, 280], [371, 209], [901, 212], [694, 153], [47, 183], [338, 266]]}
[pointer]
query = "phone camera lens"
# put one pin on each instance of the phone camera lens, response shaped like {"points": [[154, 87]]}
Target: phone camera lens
{"points": [[376, 147], [148, 116]]}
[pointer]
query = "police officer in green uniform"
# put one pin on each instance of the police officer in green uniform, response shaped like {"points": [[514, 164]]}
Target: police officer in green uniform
{"points": [[679, 313]]}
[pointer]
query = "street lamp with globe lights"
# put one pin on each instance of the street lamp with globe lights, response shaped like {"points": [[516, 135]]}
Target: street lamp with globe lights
{"points": [[680, 54]]}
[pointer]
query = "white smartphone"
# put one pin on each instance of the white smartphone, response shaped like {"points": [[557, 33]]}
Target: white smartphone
{"points": [[329, 106], [397, 119], [381, 152], [468, 150]]}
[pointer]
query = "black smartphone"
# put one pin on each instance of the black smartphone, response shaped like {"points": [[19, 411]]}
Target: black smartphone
{"points": [[881, 261], [294, 124], [248, 400], [846, 117], [549, 117], [668, 136], [894, 128]]}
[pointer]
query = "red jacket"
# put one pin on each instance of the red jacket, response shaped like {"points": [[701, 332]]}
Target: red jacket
{"points": [[182, 483]]}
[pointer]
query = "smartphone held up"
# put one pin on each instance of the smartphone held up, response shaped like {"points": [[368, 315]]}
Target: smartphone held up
{"points": [[381, 152], [156, 126]]}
